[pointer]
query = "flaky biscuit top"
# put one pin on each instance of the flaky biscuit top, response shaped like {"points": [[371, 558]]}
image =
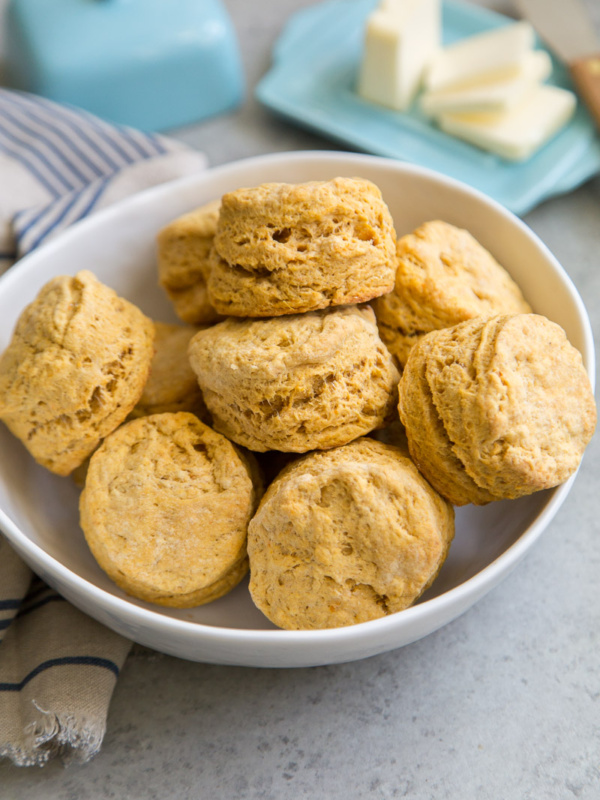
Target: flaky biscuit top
{"points": [[76, 366], [291, 248], [166, 507], [444, 276], [297, 383], [345, 536]]}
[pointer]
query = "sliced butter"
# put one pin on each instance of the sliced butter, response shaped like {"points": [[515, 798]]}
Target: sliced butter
{"points": [[494, 96], [401, 37], [494, 55], [518, 133]]}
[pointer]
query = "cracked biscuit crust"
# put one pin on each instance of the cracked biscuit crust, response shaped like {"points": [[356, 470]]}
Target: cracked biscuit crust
{"points": [[444, 276], [346, 536], [183, 249], [509, 408], [304, 382], [285, 249], [74, 369], [166, 507]]}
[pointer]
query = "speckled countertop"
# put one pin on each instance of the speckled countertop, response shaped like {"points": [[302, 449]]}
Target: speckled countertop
{"points": [[502, 704]]}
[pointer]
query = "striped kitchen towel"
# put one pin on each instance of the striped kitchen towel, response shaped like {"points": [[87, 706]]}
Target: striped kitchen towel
{"points": [[58, 667], [60, 164]]}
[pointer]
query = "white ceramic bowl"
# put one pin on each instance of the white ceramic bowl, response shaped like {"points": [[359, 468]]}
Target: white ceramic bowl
{"points": [[38, 510]]}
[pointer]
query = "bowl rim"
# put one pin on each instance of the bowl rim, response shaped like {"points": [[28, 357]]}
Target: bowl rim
{"points": [[458, 597]]}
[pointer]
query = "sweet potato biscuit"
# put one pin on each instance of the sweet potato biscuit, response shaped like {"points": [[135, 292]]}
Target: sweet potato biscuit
{"points": [[183, 249], [510, 401], [172, 384], [286, 249], [444, 276], [303, 382], [346, 536], [166, 507], [74, 369]]}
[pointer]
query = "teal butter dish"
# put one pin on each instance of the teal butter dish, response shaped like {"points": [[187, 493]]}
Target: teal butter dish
{"points": [[152, 64]]}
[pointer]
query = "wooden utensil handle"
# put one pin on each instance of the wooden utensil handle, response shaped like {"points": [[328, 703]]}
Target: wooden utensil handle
{"points": [[586, 76]]}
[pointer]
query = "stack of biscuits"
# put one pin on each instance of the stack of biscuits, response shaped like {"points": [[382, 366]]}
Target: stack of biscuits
{"points": [[375, 383]]}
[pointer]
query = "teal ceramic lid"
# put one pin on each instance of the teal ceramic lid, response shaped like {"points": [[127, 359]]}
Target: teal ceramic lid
{"points": [[153, 64]]}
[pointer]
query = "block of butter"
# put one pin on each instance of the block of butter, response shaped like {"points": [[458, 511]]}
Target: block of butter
{"points": [[401, 37], [495, 96], [515, 134], [493, 55]]}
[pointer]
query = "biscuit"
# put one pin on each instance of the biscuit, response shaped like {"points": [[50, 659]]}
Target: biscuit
{"points": [[506, 408], [172, 383], [183, 249], [166, 507], [304, 382], [74, 369], [443, 277], [346, 536], [284, 249]]}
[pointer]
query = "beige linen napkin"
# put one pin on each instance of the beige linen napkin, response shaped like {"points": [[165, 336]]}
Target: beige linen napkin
{"points": [[58, 667]]}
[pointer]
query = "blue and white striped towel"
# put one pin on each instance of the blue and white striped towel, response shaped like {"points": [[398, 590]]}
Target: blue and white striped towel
{"points": [[59, 164], [58, 667]]}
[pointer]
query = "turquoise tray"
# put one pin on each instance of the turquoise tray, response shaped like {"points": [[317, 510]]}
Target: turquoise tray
{"points": [[312, 80]]}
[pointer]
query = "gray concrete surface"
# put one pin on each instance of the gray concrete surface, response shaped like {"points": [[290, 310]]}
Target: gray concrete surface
{"points": [[503, 704]]}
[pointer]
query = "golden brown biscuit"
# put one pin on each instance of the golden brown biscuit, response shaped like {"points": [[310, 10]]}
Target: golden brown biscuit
{"points": [[508, 408], [172, 383], [303, 382], [444, 276], [75, 367], [183, 248], [166, 507], [286, 249], [346, 536]]}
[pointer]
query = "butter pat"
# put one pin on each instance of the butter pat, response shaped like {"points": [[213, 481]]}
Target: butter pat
{"points": [[494, 96], [493, 55], [401, 36], [518, 133]]}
